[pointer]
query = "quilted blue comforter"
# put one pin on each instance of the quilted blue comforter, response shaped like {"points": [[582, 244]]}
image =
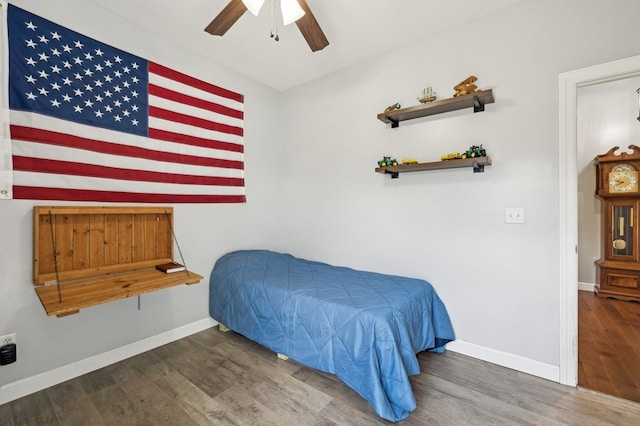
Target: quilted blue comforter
{"points": [[364, 327]]}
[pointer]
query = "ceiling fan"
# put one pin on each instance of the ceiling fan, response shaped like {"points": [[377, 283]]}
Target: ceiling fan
{"points": [[292, 11]]}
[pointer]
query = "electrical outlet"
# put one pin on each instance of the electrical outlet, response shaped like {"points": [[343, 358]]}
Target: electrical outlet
{"points": [[7, 339]]}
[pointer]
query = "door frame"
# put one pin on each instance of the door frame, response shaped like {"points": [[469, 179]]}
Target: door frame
{"points": [[569, 82]]}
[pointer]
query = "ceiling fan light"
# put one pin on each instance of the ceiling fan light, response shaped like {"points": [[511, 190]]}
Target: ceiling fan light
{"points": [[254, 6], [291, 11]]}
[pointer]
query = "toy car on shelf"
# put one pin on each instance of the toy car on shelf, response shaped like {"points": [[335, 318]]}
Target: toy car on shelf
{"points": [[474, 151], [409, 161], [387, 161], [392, 107], [451, 156]]}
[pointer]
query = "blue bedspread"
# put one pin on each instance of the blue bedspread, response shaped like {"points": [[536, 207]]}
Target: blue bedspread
{"points": [[364, 327]]}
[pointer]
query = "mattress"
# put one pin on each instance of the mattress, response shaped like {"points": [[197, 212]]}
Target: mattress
{"points": [[364, 327]]}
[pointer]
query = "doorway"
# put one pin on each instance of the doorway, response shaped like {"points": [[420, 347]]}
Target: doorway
{"points": [[607, 329], [569, 83]]}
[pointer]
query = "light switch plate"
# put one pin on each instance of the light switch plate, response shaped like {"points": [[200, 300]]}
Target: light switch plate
{"points": [[514, 215]]}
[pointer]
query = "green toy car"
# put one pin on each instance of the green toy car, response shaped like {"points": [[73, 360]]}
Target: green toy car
{"points": [[387, 161], [474, 151]]}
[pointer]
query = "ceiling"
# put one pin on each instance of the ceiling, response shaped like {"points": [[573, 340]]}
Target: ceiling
{"points": [[357, 30]]}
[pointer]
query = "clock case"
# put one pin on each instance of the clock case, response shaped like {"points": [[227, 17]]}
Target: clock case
{"points": [[618, 269]]}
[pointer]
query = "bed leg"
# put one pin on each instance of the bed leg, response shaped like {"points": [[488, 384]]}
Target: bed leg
{"points": [[222, 328], [282, 356]]}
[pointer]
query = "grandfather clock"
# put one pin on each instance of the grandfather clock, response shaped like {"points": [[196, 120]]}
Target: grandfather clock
{"points": [[618, 270]]}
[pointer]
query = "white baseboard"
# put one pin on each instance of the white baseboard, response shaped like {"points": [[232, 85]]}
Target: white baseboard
{"points": [[586, 286], [29, 385], [515, 362]]}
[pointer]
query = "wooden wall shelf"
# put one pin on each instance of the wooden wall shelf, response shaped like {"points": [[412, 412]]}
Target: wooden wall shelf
{"points": [[86, 256], [96, 291], [476, 100], [477, 164]]}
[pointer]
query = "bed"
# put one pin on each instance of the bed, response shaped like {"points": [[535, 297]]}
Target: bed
{"points": [[364, 327]]}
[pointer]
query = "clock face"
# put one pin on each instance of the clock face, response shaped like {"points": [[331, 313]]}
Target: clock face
{"points": [[623, 181]]}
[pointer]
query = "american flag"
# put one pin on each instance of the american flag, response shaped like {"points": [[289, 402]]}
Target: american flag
{"points": [[89, 122]]}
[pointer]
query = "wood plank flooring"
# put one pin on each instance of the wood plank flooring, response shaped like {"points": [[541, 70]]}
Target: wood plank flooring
{"points": [[215, 378], [609, 346]]}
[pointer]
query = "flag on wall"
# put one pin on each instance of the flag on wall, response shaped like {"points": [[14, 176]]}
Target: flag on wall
{"points": [[89, 122]]}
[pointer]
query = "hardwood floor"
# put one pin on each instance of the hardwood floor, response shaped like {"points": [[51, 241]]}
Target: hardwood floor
{"points": [[215, 378], [609, 346]]}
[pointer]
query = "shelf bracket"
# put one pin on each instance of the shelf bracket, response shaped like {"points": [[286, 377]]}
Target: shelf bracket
{"points": [[478, 106], [394, 123], [478, 168], [394, 175]]}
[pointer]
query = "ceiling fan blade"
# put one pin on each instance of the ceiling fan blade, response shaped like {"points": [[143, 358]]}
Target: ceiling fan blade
{"points": [[225, 19], [310, 29]]}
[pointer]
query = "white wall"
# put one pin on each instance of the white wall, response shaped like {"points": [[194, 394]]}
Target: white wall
{"points": [[500, 281], [204, 231], [607, 117], [324, 201]]}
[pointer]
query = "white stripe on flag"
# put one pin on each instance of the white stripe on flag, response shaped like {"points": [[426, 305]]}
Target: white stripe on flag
{"points": [[53, 152], [185, 129], [120, 138], [193, 111], [100, 184], [6, 166], [177, 86]]}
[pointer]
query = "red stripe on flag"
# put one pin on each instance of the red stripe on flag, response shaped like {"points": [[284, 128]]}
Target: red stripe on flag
{"points": [[192, 81], [177, 117], [39, 165], [22, 133], [168, 136], [165, 93], [40, 193]]}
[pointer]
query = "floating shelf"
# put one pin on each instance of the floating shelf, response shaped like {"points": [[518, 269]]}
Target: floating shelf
{"points": [[476, 100], [477, 163]]}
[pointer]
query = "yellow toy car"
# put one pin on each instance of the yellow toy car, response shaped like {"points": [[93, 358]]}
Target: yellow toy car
{"points": [[451, 156]]}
